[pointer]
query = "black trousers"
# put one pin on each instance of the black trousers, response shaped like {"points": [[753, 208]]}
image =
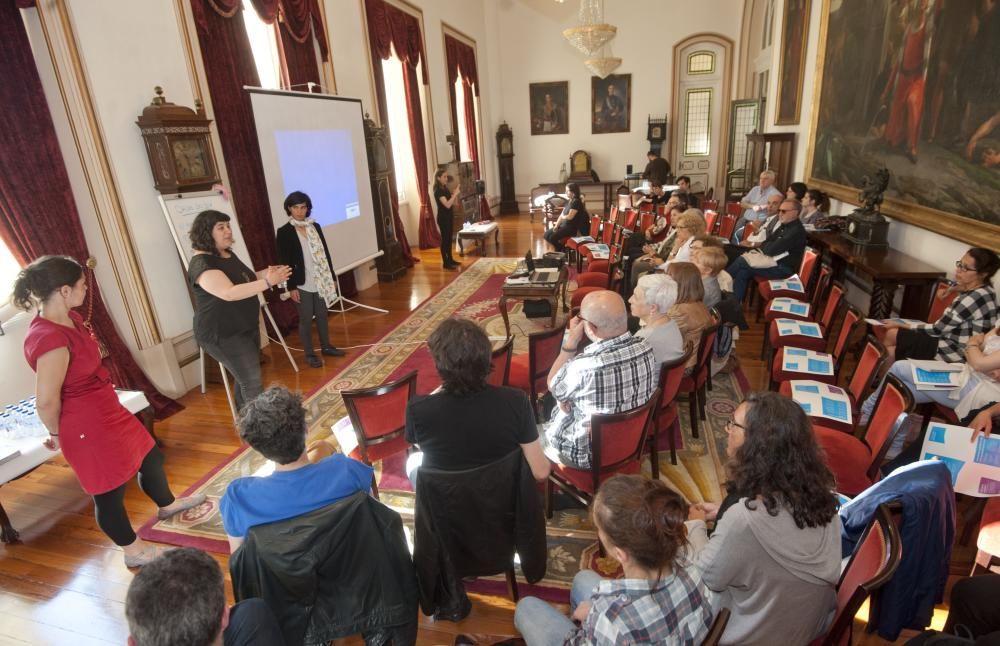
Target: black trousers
{"points": [[252, 621], [109, 507], [446, 225], [974, 605]]}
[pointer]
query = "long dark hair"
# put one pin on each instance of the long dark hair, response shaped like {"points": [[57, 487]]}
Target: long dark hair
{"points": [[799, 189], [781, 463], [201, 230], [462, 355], [819, 198], [37, 281], [643, 517], [574, 188]]}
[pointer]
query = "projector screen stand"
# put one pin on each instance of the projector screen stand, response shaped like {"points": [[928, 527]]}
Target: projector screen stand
{"points": [[338, 305]]}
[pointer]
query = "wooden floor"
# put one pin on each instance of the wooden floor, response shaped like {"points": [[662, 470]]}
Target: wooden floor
{"points": [[65, 583]]}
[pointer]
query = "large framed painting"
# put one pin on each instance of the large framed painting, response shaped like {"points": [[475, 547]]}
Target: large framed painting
{"points": [[611, 98], [795, 37], [913, 85], [549, 104]]}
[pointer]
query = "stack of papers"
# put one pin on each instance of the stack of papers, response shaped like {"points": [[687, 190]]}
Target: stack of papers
{"points": [[523, 280], [791, 284], [582, 239], [807, 361], [788, 327], [878, 322], [974, 466], [599, 251], [937, 375], [789, 306], [823, 400]]}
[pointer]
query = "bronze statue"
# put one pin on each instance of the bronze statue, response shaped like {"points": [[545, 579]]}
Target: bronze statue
{"points": [[872, 189]]}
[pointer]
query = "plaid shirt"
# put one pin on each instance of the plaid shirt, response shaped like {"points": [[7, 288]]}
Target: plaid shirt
{"points": [[610, 376], [627, 611], [973, 312]]}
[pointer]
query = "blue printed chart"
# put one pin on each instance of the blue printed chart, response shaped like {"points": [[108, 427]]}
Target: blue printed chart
{"points": [[822, 400], [788, 327], [974, 466], [807, 362], [937, 375], [784, 305], [790, 284]]}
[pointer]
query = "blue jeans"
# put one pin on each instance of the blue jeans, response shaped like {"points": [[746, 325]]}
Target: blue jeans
{"points": [[742, 273], [251, 621], [542, 625]]}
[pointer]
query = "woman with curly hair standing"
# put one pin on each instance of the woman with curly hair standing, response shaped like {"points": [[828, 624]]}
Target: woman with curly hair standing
{"points": [[775, 554]]}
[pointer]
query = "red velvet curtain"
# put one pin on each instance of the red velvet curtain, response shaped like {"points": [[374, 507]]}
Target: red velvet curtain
{"points": [[430, 237], [38, 214], [229, 65], [461, 61], [300, 60]]}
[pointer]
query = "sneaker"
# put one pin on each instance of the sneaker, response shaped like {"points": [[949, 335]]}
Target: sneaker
{"points": [[314, 361], [181, 504], [333, 351]]}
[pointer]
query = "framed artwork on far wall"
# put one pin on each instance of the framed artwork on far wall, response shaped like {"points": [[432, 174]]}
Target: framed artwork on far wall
{"points": [[549, 106], [611, 102], [794, 40]]}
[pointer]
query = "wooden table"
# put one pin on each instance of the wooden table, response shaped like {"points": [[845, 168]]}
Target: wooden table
{"points": [[478, 233], [528, 291], [610, 190], [888, 270]]}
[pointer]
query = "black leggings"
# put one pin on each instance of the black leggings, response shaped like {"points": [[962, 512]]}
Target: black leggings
{"points": [[109, 507], [446, 224]]}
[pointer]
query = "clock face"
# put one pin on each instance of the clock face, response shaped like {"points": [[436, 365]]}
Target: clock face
{"points": [[190, 158], [657, 133]]}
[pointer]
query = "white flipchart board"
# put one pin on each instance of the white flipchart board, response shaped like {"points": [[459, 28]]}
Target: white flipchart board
{"points": [[181, 210]]}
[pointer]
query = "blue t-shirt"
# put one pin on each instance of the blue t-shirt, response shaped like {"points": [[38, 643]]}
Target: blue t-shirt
{"points": [[287, 494]]}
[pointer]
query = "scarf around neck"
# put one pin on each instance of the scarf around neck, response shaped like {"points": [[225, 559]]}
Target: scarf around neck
{"points": [[325, 283]]}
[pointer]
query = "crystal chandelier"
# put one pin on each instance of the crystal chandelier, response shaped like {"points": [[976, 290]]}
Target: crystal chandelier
{"points": [[602, 65], [592, 33]]}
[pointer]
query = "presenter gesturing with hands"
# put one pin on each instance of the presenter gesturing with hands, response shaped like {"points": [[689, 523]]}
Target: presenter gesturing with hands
{"points": [[226, 305]]}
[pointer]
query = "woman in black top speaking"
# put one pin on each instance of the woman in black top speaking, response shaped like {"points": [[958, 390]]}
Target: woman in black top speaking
{"points": [[226, 305], [573, 221], [302, 246], [445, 199]]}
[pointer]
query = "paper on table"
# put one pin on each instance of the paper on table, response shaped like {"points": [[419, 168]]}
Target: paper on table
{"points": [[822, 400], [807, 362], [974, 466]]}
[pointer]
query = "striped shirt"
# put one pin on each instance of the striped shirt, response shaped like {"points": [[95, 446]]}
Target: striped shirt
{"points": [[973, 312], [610, 376], [628, 611]]}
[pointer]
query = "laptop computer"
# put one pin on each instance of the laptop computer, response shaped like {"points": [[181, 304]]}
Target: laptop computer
{"points": [[539, 275]]}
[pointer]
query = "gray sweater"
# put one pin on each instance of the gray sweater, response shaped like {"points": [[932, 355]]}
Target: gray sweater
{"points": [[778, 580]]}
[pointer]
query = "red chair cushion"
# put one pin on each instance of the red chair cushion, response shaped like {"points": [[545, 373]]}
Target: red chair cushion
{"points": [[668, 423], [848, 458], [989, 528], [592, 279], [597, 266], [779, 375], [581, 478], [518, 376], [795, 340], [581, 292]]}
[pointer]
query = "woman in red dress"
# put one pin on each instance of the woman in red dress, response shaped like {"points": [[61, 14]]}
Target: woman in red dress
{"points": [[103, 443]]}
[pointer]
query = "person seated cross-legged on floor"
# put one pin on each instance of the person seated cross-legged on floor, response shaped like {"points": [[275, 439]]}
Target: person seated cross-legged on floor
{"points": [[179, 599], [274, 425], [779, 256], [660, 600], [615, 373]]}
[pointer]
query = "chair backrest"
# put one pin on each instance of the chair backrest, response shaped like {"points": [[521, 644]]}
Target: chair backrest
{"points": [[625, 201], [891, 409], [710, 205], [853, 319], [707, 343], [711, 217], [727, 225], [718, 627], [646, 220], [748, 230], [872, 565], [819, 289], [734, 208], [543, 349], [595, 226], [608, 231], [671, 375], [617, 439], [832, 305], [661, 209], [647, 207], [378, 414], [630, 219], [939, 303], [501, 364], [810, 258], [868, 368]]}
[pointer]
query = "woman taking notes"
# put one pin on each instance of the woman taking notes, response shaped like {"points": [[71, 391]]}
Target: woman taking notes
{"points": [[226, 305], [104, 444]]}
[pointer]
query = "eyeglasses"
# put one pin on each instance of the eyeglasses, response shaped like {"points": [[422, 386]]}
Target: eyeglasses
{"points": [[963, 267], [786, 210], [732, 423]]}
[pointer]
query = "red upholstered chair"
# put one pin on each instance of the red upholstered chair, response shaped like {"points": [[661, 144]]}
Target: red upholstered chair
{"points": [[711, 217], [616, 443], [871, 566], [988, 541], [665, 416], [859, 387], [501, 364], [852, 322], [734, 208], [833, 304], [631, 217], [608, 229], [748, 230], [596, 281], [574, 248], [855, 462], [529, 372], [694, 384], [816, 296], [378, 416], [613, 234], [936, 308], [810, 259], [727, 225], [710, 205], [647, 207]]}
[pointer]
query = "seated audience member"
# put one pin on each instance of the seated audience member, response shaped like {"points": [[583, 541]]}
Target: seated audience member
{"points": [[775, 554], [179, 599], [657, 231], [710, 262], [657, 169], [274, 425], [755, 203], [687, 226], [615, 373], [796, 191], [755, 239], [638, 245], [504, 418], [782, 250], [660, 600], [974, 311], [706, 241], [684, 188], [689, 312], [815, 206], [573, 221], [651, 301]]}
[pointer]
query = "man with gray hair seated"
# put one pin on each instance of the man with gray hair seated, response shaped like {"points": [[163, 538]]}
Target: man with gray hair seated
{"points": [[615, 373], [651, 301], [754, 203]]}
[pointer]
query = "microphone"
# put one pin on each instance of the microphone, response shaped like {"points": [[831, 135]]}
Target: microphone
{"points": [[285, 294]]}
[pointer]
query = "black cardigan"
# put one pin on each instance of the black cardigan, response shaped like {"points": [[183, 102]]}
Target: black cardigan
{"points": [[290, 253]]}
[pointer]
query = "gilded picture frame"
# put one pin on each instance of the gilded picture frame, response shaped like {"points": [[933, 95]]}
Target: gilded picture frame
{"points": [[792, 67]]}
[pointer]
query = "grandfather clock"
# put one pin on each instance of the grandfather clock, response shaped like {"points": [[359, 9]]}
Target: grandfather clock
{"points": [[505, 161], [391, 264]]}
